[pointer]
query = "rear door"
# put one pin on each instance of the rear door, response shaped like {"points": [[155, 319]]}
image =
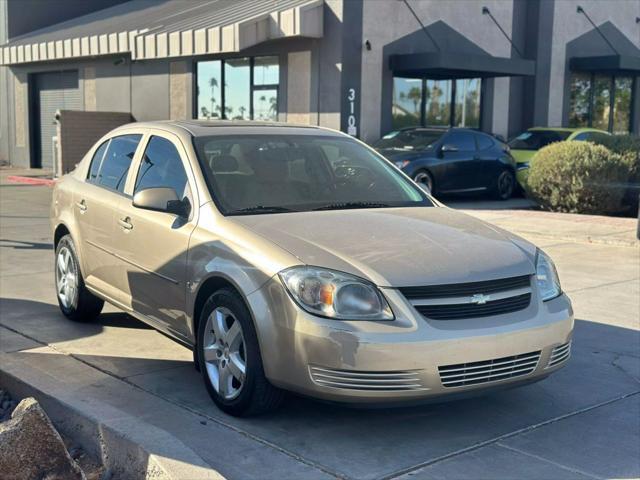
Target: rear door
{"points": [[95, 206], [458, 155], [154, 245]]}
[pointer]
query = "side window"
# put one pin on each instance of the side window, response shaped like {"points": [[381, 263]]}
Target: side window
{"points": [[96, 161], [462, 140], [484, 142], [161, 166], [117, 160]]}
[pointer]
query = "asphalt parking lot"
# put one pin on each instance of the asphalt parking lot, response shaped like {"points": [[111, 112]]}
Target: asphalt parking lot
{"points": [[583, 422]]}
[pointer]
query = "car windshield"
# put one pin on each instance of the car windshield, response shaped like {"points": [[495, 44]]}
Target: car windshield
{"points": [[536, 139], [258, 174], [408, 139]]}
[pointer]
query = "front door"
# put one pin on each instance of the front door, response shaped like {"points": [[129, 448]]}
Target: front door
{"points": [[154, 245], [458, 154]]}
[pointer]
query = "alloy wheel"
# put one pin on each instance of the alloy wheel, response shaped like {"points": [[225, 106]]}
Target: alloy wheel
{"points": [[66, 277], [225, 353], [505, 184]]}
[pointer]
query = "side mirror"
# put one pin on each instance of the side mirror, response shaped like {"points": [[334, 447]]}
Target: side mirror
{"points": [[162, 199], [448, 147]]}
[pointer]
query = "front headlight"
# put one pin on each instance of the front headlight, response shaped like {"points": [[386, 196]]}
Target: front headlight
{"points": [[335, 294], [547, 277]]}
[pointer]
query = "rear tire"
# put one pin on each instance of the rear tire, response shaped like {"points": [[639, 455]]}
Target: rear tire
{"points": [[76, 302], [505, 185], [227, 343]]}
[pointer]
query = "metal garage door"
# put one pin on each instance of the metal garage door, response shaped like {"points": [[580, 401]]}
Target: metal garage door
{"points": [[52, 91]]}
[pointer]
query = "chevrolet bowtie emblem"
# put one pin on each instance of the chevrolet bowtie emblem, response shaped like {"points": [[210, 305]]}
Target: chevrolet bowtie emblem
{"points": [[480, 299]]}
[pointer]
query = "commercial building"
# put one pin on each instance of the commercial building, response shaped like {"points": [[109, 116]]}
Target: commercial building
{"points": [[362, 66]]}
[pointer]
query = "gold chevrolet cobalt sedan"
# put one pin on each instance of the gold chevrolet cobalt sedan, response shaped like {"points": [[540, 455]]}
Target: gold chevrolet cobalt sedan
{"points": [[297, 258]]}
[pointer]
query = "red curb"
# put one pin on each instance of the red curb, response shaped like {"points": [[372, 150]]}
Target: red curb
{"points": [[31, 180]]}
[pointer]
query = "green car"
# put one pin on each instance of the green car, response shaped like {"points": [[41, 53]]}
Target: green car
{"points": [[524, 146]]}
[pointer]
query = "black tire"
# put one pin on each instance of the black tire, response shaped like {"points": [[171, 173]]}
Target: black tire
{"points": [[425, 178], [84, 306], [505, 185], [257, 395]]}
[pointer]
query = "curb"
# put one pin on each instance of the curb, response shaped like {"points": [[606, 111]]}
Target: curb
{"points": [[111, 443], [31, 180]]}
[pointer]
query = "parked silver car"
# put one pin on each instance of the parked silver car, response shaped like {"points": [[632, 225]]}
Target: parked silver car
{"points": [[297, 258]]}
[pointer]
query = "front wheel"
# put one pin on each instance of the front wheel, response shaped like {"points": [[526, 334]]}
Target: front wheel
{"points": [[505, 185], [229, 357], [424, 178], [76, 302]]}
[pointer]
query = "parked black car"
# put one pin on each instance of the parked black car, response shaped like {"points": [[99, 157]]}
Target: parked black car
{"points": [[457, 160]]}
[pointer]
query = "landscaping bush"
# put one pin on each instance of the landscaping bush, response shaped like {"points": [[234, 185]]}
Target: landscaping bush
{"points": [[578, 177]]}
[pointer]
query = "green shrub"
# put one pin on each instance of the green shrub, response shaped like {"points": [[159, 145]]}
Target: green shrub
{"points": [[629, 147], [578, 177]]}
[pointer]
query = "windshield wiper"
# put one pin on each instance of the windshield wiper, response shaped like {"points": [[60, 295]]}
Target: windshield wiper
{"points": [[261, 209], [348, 205]]}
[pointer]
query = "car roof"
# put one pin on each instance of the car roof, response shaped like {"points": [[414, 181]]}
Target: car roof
{"points": [[198, 128], [566, 129]]}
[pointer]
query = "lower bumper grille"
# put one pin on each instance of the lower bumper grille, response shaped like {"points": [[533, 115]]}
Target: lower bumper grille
{"points": [[559, 354], [487, 371], [372, 381]]}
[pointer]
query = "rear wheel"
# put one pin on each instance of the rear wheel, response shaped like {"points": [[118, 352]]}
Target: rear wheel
{"points": [[505, 185], [76, 302], [229, 357], [422, 177]]}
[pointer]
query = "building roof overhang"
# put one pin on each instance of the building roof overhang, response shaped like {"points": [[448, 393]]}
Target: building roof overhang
{"points": [[451, 65], [607, 63], [150, 29]]}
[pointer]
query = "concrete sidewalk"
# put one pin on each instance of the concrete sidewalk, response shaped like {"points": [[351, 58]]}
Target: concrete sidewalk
{"points": [[138, 386]]}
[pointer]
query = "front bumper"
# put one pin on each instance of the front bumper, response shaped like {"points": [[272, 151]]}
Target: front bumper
{"points": [[411, 358]]}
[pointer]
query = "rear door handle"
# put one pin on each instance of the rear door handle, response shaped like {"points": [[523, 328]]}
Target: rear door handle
{"points": [[82, 205], [125, 223]]}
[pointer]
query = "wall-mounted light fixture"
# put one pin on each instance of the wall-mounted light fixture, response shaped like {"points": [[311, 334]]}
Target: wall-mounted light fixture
{"points": [[367, 44]]}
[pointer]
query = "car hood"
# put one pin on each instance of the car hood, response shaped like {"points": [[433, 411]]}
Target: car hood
{"points": [[397, 247], [395, 154]]}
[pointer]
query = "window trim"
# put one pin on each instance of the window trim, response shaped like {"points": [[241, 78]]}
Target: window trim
{"points": [[252, 86], [133, 162], [612, 98]]}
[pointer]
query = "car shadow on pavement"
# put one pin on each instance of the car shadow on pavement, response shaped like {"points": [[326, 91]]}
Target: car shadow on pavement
{"points": [[21, 245], [583, 416]]}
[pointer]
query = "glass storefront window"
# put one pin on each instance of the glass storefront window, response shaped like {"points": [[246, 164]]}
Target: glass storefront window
{"points": [[622, 104], [467, 103], [601, 101], [266, 71], [265, 104], [224, 88], [209, 93], [438, 103], [407, 101], [580, 92], [427, 102], [237, 85]]}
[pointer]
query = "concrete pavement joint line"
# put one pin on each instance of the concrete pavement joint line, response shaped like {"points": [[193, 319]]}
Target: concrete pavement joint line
{"points": [[249, 435], [603, 285], [546, 460], [7, 275], [505, 436], [154, 371]]}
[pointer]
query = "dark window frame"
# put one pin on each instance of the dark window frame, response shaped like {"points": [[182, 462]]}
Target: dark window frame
{"points": [[612, 99], [252, 86], [452, 102]]}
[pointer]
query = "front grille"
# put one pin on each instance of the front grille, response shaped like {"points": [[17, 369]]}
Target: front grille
{"points": [[459, 311], [372, 381], [559, 354], [466, 289], [487, 371]]}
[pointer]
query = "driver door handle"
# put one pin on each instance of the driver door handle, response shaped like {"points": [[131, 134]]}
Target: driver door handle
{"points": [[125, 223], [82, 205]]}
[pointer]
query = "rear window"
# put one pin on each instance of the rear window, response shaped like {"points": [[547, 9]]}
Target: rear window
{"points": [[408, 139], [536, 139]]}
